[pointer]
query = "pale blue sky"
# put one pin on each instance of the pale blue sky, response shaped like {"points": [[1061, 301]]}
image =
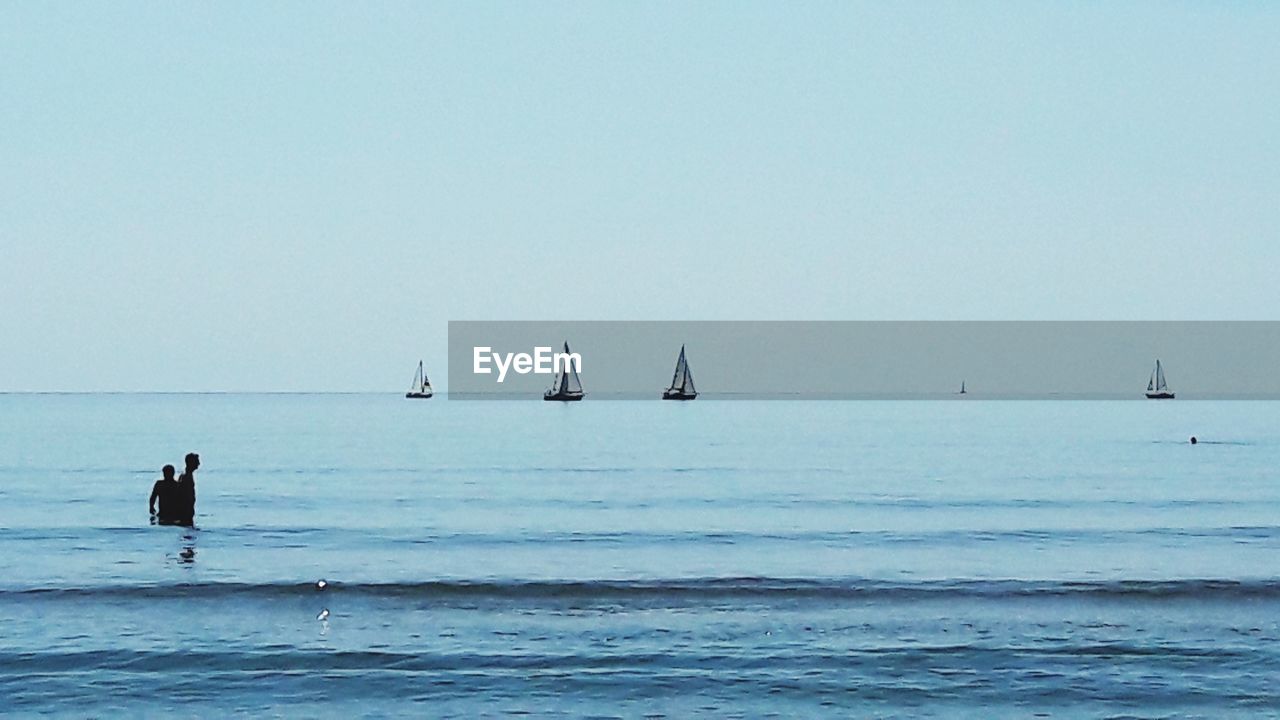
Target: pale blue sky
{"points": [[299, 196]]}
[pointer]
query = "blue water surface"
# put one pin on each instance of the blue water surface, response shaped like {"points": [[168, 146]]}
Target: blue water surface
{"points": [[641, 559]]}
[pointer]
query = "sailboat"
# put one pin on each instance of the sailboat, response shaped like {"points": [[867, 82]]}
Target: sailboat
{"points": [[1157, 388], [421, 387], [681, 382], [962, 390], [567, 387]]}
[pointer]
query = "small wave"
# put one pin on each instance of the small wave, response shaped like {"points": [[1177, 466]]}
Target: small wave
{"points": [[696, 589], [284, 536], [960, 658]]}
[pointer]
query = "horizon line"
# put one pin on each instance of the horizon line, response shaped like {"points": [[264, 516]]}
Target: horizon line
{"points": [[971, 396]]}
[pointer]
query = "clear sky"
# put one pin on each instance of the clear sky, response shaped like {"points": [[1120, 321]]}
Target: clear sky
{"points": [[299, 196]]}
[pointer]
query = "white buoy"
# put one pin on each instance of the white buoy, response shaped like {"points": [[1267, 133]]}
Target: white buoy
{"points": [[324, 615], [321, 584]]}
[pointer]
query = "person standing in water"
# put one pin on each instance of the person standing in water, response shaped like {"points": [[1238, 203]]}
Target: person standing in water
{"points": [[166, 491], [186, 492]]}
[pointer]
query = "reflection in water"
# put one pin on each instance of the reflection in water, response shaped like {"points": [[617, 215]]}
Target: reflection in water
{"points": [[187, 555]]}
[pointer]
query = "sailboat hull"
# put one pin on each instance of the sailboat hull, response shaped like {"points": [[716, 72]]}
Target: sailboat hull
{"points": [[417, 395], [562, 397], [1159, 396], [677, 395]]}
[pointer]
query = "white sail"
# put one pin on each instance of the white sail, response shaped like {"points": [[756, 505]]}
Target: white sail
{"points": [[421, 387], [572, 383], [1157, 387], [681, 380], [567, 383], [686, 380], [676, 376]]}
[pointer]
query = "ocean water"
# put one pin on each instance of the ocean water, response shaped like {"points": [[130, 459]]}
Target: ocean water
{"points": [[641, 559]]}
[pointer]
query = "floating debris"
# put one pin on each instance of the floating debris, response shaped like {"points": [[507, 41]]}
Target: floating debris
{"points": [[324, 615]]}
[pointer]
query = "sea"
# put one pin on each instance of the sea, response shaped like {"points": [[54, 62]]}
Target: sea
{"points": [[365, 555]]}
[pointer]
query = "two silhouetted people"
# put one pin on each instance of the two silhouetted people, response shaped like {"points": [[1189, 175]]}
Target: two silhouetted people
{"points": [[176, 496]]}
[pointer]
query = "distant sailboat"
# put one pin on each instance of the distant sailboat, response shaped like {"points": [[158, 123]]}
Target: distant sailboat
{"points": [[1157, 389], [962, 390], [567, 387], [681, 382], [421, 387]]}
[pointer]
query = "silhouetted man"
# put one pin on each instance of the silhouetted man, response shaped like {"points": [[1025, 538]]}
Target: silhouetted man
{"points": [[187, 491], [166, 490]]}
